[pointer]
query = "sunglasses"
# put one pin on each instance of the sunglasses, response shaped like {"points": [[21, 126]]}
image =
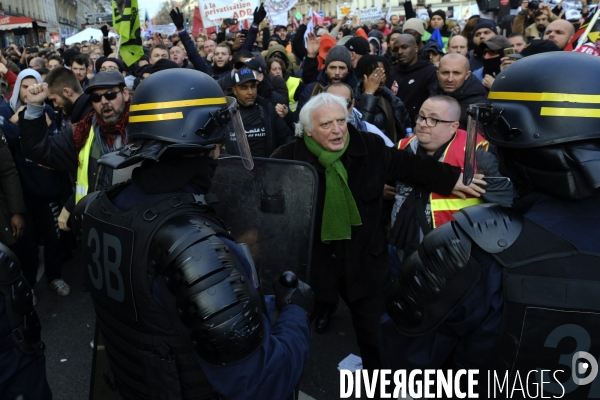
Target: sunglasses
{"points": [[110, 95]]}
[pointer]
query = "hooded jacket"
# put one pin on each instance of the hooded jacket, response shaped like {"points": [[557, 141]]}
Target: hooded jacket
{"points": [[290, 61], [36, 181], [472, 91], [413, 83]]}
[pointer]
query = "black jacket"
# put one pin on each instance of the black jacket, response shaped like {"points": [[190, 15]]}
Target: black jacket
{"points": [[11, 195], [277, 131], [472, 91], [413, 84], [372, 112], [370, 164]]}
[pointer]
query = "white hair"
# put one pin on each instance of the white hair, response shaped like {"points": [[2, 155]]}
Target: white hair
{"points": [[317, 102]]}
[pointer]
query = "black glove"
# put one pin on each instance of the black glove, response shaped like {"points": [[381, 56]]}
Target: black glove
{"points": [[177, 18], [290, 290], [104, 30], [259, 14]]}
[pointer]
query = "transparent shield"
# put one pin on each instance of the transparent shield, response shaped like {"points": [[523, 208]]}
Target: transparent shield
{"points": [[473, 128], [237, 133], [271, 209]]}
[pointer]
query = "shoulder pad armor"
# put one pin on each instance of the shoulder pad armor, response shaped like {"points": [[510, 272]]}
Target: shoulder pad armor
{"points": [[9, 265], [215, 298], [433, 282], [492, 227]]}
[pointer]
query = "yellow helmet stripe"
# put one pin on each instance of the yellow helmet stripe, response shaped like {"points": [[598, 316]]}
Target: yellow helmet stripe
{"points": [[559, 97], [179, 103], [570, 112], [156, 117]]}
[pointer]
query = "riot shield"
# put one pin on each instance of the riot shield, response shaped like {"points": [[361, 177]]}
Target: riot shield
{"points": [[271, 209]]}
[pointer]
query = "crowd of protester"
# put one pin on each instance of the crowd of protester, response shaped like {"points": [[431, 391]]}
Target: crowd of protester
{"points": [[396, 78]]}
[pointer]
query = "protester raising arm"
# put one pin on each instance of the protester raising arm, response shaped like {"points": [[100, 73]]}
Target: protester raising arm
{"points": [[259, 15], [192, 53]]}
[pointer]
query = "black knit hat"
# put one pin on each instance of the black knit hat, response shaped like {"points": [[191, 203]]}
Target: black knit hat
{"points": [[440, 13]]}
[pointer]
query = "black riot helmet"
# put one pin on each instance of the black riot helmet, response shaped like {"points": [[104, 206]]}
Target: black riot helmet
{"points": [[545, 120], [178, 111]]}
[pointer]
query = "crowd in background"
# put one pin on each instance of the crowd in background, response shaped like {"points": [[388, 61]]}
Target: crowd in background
{"points": [[389, 74]]}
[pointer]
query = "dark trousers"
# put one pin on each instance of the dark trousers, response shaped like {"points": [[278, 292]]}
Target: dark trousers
{"points": [[366, 313], [41, 218]]}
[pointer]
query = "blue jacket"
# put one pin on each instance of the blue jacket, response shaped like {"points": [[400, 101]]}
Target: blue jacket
{"points": [[273, 371], [477, 322]]}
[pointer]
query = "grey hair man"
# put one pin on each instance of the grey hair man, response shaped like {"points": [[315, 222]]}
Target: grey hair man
{"points": [[349, 234]]}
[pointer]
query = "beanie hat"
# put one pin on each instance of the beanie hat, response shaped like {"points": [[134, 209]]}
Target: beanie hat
{"points": [[69, 54], [415, 24], [440, 13], [339, 53], [162, 64], [485, 23]]}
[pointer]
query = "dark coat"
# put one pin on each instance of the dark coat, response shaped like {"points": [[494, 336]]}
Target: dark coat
{"points": [[11, 195], [372, 112], [370, 163], [414, 84], [276, 130], [472, 91]]}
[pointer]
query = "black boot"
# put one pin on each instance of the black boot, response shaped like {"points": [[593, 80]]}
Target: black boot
{"points": [[325, 312]]}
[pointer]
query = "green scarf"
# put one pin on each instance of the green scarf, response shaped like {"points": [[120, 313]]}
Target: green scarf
{"points": [[340, 210]]}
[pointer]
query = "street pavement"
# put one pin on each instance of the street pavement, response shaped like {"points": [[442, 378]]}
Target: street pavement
{"points": [[68, 329]]}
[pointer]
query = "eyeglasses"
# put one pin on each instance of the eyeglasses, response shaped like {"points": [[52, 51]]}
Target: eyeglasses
{"points": [[430, 121], [104, 69], [110, 95]]}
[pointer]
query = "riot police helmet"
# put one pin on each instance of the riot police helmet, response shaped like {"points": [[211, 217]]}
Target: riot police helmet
{"points": [[177, 112], [544, 119]]}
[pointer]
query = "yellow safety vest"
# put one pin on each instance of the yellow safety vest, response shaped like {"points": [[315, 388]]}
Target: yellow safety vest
{"points": [[442, 207], [292, 84], [82, 184]]}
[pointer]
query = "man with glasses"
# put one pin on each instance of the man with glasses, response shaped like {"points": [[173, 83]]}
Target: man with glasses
{"points": [[417, 210], [100, 131]]}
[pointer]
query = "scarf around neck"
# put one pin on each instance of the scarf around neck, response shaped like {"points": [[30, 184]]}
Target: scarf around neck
{"points": [[108, 131], [340, 211]]}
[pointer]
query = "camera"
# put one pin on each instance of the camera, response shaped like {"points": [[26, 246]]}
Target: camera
{"points": [[231, 21], [534, 4]]}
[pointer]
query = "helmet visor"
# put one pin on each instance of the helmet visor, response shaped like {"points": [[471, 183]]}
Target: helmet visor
{"points": [[473, 128], [237, 133]]}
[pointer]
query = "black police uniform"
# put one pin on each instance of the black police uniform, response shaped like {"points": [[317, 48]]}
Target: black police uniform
{"points": [[516, 290], [22, 361], [173, 295]]}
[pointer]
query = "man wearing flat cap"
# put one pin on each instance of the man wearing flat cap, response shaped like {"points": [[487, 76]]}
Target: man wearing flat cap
{"points": [[101, 131]]}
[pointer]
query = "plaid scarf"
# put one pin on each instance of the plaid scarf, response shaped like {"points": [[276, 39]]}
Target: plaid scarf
{"points": [[108, 131]]}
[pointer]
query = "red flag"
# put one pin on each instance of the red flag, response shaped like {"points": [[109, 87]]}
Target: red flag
{"points": [[318, 19], [593, 35], [210, 30], [197, 25]]}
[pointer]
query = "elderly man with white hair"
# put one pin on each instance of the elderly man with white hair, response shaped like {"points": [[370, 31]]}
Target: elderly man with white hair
{"points": [[349, 251]]}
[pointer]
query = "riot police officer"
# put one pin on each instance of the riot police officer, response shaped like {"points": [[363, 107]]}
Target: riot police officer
{"points": [[516, 291], [22, 361], [177, 308]]}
